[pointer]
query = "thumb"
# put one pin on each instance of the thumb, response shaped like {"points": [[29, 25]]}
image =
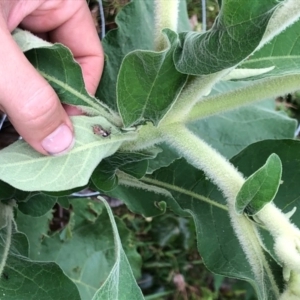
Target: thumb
{"points": [[30, 103]]}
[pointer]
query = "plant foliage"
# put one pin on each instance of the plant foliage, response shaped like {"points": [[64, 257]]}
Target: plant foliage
{"points": [[174, 117]]}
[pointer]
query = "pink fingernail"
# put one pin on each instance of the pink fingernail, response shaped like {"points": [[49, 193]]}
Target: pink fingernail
{"points": [[59, 141]]}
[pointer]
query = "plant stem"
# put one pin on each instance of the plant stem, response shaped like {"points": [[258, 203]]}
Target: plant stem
{"points": [[8, 212], [285, 234], [195, 89], [166, 16], [205, 158], [230, 181], [148, 135], [258, 90]]}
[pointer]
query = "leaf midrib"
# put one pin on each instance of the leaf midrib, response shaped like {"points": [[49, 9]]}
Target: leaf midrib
{"points": [[183, 191]]}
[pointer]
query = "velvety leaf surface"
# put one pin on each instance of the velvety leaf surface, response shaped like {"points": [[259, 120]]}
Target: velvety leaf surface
{"points": [[235, 34], [137, 170], [26, 169], [26, 279], [230, 132], [287, 196], [190, 192], [289, 153], [30, 280], [35, 228], [120, 284], [260, 188], [134, 32], [144, 198], [85, 248], [104, 176], [37, 205], [163, 159], [148, 83], [282, 53]]}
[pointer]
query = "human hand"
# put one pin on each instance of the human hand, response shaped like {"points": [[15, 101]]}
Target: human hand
{"points": [[25, 96]]}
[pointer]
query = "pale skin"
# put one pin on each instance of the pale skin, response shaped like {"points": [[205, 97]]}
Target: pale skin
{"points": [[31, 104]]}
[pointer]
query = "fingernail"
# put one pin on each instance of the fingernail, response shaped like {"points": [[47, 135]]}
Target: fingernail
{"points": [[59, 141]]}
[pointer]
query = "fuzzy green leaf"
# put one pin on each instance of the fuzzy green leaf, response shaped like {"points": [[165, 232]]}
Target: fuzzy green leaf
{"points": [[89, 232], [282, 53], [120, 284], [31, 280], [26, 169], [191, 193], [104, 176], [133, 33], [148, 84], [35, 228], [260, 188], [287, 197], [236, 33], [25, 279], [37, 205]]}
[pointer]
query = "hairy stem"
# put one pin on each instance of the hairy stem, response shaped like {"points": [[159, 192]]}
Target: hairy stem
{"points": [[166, 16], [230, 181], [148, 135], [195, 89], [205, 158], [8, 213], [259, 90], [286, 237]]}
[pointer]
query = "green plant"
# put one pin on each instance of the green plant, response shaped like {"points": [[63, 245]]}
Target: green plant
{"points": [[164, 96]]}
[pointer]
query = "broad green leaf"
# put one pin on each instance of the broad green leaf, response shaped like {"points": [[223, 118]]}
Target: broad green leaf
{"points": [[138, 169], [25, 279], [26, 169], [163, 159], [6, 191], [282, 53], [143, 198], [260, 188], [35, 228], [120, 284], [134, 32], [287, 196], [191, 193], [251, 124], [56, 64], [37, 205], [64, 202], [89, 239], [104, 176], [215, 235], [289, 152], [148, 84], [235, 34]]}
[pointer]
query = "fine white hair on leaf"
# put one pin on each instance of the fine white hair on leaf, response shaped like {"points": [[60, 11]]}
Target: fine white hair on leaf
{"points": [[166, 16], [286, 14]]}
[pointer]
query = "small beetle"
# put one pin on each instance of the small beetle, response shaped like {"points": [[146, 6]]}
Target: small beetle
{"points": [[97, 129]]}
